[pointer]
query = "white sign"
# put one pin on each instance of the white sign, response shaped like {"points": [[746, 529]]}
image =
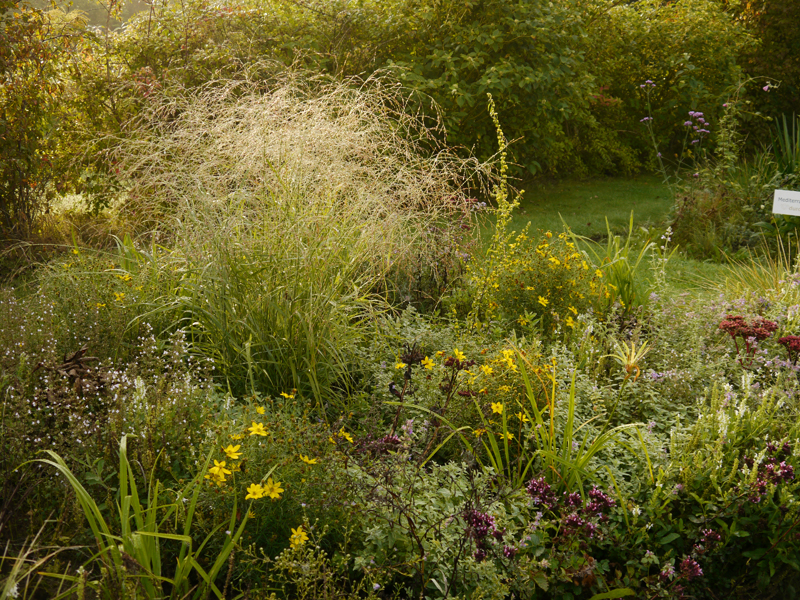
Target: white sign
{"points": [[786, 203]]}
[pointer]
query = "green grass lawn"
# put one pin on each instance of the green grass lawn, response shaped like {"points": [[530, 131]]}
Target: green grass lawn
{"points": [[585, 205]]}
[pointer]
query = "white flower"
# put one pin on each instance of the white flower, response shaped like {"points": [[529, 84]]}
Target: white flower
{"points": [[14, 591]]}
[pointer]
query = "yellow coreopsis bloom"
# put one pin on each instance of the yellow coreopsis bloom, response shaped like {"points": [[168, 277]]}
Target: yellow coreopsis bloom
{"points": [[273, 489], [257, 429], [232, 452], [254, 492], [287, 396], [427, 363], [523, 417], [400, 365], [497, 407], [508, 435], [298, 537], [487, 370], [543, 301], [458, 355], [260, 410], [219, 468], [345, 435], [307, 460]]}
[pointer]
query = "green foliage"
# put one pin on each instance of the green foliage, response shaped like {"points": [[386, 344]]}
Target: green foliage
{"points": [[34, 45]]}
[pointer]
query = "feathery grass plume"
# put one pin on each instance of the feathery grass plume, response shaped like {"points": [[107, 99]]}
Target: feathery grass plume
{"points": [[298, 207]]}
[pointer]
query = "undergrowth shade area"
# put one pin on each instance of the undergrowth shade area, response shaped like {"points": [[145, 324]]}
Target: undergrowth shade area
{"points": [[320, 355]]}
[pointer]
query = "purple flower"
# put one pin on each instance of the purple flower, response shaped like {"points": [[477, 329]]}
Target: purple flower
{"points": [[695, 141], [688, 124], [690, 569], [659, 155], [696, 175], [645, 119], [766, 88], [650, 81], [667, 572], [509, 551]]}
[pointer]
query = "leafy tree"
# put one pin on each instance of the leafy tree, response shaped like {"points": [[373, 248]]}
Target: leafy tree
{"points": [[31, 114]]}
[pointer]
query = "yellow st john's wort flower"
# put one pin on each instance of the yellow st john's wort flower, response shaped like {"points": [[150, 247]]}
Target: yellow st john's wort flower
{"points": [[257, 429], [307, 460], [254, 492], [497, 407], [427, 363], [273, 489], [298, 537], [232, 452]]}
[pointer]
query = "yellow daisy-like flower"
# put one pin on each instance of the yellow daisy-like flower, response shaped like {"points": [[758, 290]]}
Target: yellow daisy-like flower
{"points": [[287, 396], [522, 417], [75, 251], [479, 432], [400, 365], [218, 478], [219, 468], [232, 452], [237, 436], [257, 429], [573, 310], [584, 265], [504, 388], [570, 322], [298, 537], [458, 355], [254, 491], [251, 514], [119, 296], [486, 369], [497, 407], [508, 435], [307, 460], [260, 410], [273, 489], [345, 435], [598, 272], [427, 363], [543, 301], [100, 305]]}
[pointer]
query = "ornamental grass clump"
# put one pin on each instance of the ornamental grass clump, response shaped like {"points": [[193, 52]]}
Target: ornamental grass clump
{"points": [[295, 210]]}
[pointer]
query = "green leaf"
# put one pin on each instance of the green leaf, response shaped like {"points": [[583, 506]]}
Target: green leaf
{"points": [[669, 538], [618, 593]]}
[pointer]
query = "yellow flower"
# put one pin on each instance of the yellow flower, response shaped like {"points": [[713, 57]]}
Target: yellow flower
{"points": [[522, 417], [75, 251], [543, 301], [232, 452], [428, 363], [400, 365], [254, 492], [257, 429], [508, 435], [219, 468], [251, 514], [273, 489], [298, 537], [307, 460], [574, 310], [598, 272], [504, 388], [584, 265], [522, 321], [479, 432], [459, 355], [237, 436], [260, 410], [100, 305], [487, 370], [287, 396], [497, 407], [218, 478], [570, 322], [548, 235], [345, 435], [119, 296]]}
